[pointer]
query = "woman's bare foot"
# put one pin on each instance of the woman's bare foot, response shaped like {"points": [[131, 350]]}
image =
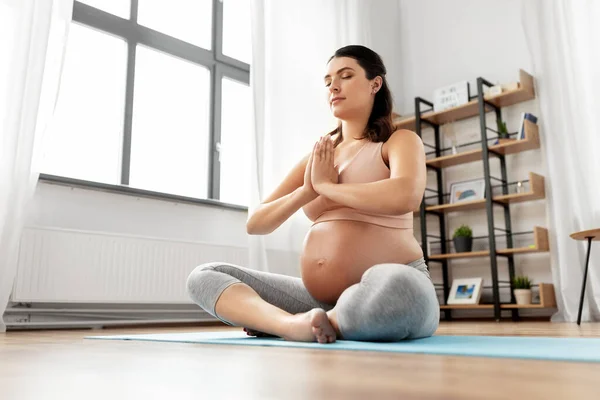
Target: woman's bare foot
{"points": [[313, 326]]}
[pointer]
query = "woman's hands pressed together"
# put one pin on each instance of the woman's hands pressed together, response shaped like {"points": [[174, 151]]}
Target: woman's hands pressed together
{"points": [[323, 172], [307, 188]]}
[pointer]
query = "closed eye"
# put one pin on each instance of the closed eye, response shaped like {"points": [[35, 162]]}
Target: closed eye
{"points": [[327, 84]]}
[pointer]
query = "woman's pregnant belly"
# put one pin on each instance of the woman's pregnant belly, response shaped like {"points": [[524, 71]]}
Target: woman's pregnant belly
{"points": [[337, 253]]}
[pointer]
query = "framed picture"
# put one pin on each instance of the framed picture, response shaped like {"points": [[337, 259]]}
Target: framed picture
{"points": [[465, 291], [451, 96], [467, 191]]}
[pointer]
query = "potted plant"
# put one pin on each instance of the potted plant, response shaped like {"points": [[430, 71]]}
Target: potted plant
{"points": [[463, 239], [522, 289], [502, 130]]}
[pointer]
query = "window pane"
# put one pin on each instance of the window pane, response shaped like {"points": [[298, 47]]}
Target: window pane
{"points": [[120, 8], [236, 120], [170, 141], [189, 20], [85, 137], [237, 41]]}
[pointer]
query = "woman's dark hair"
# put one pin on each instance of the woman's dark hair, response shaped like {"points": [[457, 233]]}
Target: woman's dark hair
{"points": [[379, 127]]}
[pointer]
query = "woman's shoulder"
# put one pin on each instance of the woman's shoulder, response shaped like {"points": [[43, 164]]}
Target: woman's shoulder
{"points": [[402, 140], [403, 135]]}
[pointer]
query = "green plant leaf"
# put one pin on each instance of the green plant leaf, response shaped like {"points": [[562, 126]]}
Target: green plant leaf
{"points": [[521, 282], [463, 231]]}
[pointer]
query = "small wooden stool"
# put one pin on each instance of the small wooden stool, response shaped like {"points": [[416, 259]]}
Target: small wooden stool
{"points": [[593, 234]]}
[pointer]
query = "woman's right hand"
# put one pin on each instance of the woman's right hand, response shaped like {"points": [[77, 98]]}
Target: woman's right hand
{"points": [[307, 187]]}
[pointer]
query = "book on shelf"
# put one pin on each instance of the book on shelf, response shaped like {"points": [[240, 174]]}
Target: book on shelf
{"points": [[525, 116]]}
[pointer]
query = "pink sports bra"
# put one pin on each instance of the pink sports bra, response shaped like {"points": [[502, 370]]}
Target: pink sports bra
{"points": [[367, 165]]}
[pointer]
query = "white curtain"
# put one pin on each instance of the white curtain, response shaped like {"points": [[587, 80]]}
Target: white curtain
{"points": [[292, 42], [33, 36], [563, 37]]}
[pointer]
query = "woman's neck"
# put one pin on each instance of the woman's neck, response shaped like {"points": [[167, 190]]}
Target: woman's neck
{"points": [[353, 130]]}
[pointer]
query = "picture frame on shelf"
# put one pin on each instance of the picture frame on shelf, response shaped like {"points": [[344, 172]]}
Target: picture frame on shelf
{"points": [[465, 291], [467, 191], [450, 96]]}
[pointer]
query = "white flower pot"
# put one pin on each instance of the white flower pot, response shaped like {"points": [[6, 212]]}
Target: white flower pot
{"points": [[523, 296]]}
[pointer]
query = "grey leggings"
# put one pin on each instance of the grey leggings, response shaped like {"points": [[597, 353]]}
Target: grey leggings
{"points": [[390, 303]]}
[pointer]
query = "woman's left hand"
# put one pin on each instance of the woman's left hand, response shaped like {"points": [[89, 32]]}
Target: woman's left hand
{"points": [[323, 172]]}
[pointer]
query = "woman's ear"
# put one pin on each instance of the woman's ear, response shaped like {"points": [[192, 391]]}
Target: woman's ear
{"points": [[376, 84]]}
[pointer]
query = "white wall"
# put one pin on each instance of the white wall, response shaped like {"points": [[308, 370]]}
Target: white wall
{"points": [[449, 41]]}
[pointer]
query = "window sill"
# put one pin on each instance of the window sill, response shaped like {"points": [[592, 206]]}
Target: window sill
{"points": [[130, 191]]}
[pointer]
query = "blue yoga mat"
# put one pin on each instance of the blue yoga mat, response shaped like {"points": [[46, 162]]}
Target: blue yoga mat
{"points": [[536, 348]]}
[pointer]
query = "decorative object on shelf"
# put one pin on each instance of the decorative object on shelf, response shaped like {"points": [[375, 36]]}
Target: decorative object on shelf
{"points": [[507, 87], [499, 89], [463, 239], [529, 117], [519, 187], [465, 291], [467, 191], [451, 96], [522, 289], [503, 136], [494, 91], [454, 148], [502, 130], [450, 134]]}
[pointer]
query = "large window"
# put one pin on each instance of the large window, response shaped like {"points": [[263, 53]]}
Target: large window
{"points": [[188, 20], [120, 8], [235, 142], [87, 135], [169, 138], [236, 19], [155, 96]]}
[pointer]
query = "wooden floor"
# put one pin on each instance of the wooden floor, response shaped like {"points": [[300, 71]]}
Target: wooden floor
{"points": [[62, 365]]}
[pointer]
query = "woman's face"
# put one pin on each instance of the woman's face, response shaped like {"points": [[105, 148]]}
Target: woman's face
{"points": [[349, 92]]}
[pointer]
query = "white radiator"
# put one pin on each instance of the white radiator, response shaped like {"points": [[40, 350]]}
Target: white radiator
{"points": [[66, 266]]}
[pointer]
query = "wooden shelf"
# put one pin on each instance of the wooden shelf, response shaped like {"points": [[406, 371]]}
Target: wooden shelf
{"points": [[466, 306], [509, 146], [535, 305], [540, 238], [462, 206], [405, 123], [536, 192], [456, 159], [525, 92], [470, 254], [547, 300], [512, 146]]}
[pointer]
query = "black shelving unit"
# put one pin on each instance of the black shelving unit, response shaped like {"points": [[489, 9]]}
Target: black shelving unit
{"points": [[484, 107]]}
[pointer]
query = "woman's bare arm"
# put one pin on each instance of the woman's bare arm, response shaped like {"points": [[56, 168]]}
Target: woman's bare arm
{"points": [[291, 195]]}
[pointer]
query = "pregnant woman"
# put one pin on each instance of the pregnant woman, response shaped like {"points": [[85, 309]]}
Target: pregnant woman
{"points": [[363, 272]]}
